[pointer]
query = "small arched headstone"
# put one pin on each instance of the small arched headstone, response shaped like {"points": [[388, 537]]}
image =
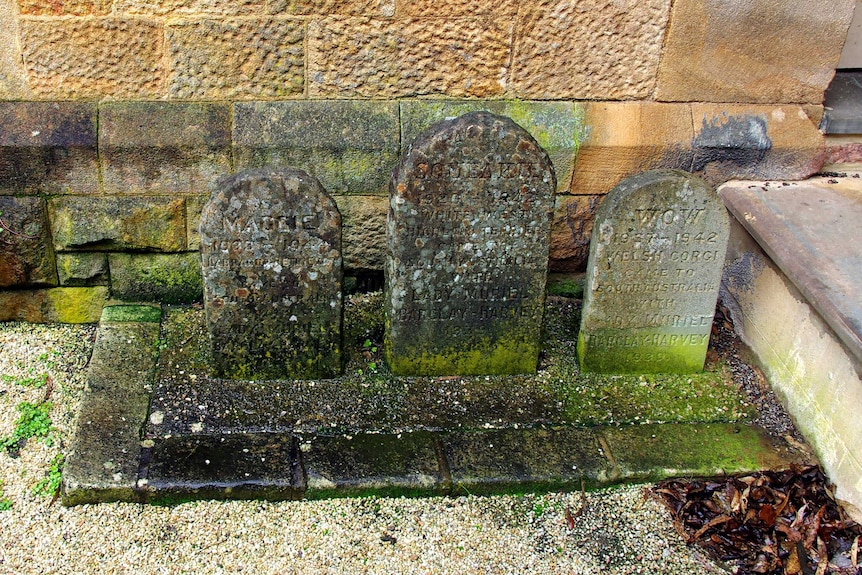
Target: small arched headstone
{"points": [[271, 258], [656, 255], [468, 234]]}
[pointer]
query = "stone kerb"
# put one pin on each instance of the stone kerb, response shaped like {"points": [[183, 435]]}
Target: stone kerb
{"points": [[468, 237], [658, 246], [272, 272]]}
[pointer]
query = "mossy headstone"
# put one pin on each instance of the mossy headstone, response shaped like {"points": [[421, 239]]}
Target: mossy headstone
{"points": [[471, 203], [271, 260], [657, 250]]}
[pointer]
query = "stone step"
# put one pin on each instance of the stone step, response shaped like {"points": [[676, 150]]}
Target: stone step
{"points": [[793, 286]]}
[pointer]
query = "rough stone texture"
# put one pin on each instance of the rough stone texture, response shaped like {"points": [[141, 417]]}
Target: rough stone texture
{"points": [[350, 146], [271, 252], [812, 372], [48, 147], [165, 278], [571, 232], [191, 8], [64, 8], [384, 8], [63, 305], [558, 127], [588, 50], [626, 138], [13, 78], [117, 223], [470, 210], [755, 142], [378, 58], [372, 464], [103, 459], [90, 58], [363, 231], [457, 8], [652, 281], [82, 269], [524, 459], [752, 51], [223, 59], [159, 147], [26, 254]]}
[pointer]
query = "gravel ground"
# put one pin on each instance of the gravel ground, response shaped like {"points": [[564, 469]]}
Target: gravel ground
{"points": [[616, 531]]}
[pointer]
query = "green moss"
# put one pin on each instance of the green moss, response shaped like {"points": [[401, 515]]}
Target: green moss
{"points": [[503, 357], [642, 351], [76, 304], [132, 313], [165, 278], [566, 285]]}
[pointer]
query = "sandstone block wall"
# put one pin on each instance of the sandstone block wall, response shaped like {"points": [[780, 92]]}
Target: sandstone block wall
{"points": [[118, 117]]}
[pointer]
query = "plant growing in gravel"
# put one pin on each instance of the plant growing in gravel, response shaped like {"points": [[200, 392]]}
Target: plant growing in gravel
{"points": [[49, 484], [33, 422], [36, 381], [5, 504]]}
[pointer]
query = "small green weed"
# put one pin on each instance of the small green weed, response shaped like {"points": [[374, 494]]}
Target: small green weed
{"points": [[33, 422], [369, 352], [5, 504], [36, 381], [49, 484]]}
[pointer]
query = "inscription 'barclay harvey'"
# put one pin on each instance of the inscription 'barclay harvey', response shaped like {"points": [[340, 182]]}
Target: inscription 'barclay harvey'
{"points": [[658, 243]]}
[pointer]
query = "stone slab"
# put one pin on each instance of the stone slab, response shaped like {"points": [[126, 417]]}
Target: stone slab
{"points": [[164, 278], [350, 146], [373, 464], [61, 304], [506, 460], [103, 459], [144, 223], [810, 230], [843, 103], [48, 147], [26, 253], [649, 453], [654, 270], [559, 127], [82, 269], [471, 204], [272, 273], [235, 466], [163, 147]]}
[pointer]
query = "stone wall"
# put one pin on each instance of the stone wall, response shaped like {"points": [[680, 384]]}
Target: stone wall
{"points": [[118, 117]]}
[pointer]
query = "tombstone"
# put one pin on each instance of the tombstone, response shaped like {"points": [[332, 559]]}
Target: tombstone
{"points": [[471, 203], [654, 268], [271, 257]]}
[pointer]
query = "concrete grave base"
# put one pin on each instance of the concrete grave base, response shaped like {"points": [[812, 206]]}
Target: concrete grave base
{"points": [[152, 427]]}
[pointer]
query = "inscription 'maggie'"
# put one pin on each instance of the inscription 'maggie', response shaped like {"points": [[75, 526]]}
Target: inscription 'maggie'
{"points": [[655, 264], [271, 258], [469, 223]]}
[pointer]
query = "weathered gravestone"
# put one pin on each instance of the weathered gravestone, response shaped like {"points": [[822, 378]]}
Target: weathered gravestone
{"points": [[655, 262], [271, 255], [468, 234]]}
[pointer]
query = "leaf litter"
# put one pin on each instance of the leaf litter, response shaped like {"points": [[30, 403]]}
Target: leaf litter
{"points": [[772, 522]]}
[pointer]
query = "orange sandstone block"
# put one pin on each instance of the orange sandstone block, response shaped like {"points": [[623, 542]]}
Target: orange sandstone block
{"points": [[626, 138], [236, 58], [64, 7], [190, 7], [456, 8], [376, 58], [382, 8], [591, 49], [76, 58]]}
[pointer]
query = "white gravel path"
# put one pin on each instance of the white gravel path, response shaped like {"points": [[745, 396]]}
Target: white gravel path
{"points": [[618, 531]]}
